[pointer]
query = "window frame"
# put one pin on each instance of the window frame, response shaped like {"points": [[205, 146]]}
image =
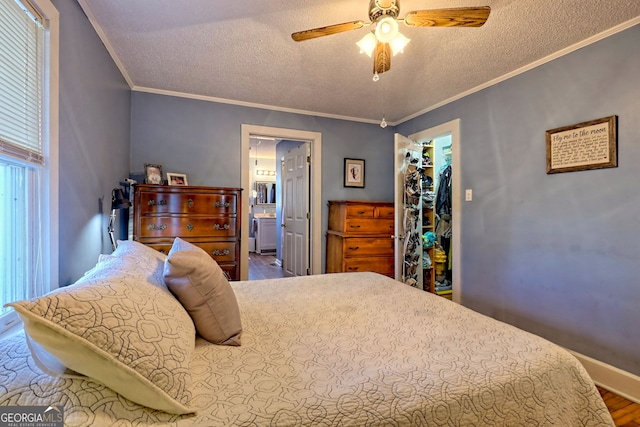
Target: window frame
{"points": [[50, 173]]}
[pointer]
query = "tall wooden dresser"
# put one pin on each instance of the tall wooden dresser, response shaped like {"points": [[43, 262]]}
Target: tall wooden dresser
{"points": [[208, 217], [360, 237]]}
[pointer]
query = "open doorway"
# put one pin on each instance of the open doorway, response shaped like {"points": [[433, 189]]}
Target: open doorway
{"points": [[278, 207], [443, 142], [263, 188], [314, 140]]}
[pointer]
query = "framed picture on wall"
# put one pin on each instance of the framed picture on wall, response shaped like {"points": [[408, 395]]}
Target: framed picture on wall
{"points": [[152, 174], [583, 146], [177, 178], [354, 173]]}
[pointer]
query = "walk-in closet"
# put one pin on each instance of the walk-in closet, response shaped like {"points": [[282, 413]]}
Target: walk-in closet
{"points": [[425, 230]]}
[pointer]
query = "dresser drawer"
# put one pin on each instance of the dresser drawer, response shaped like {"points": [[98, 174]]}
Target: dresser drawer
{"points": [[232, 271], [220, 251], [187, 203], [364, 226], [385, 212], [360, 211], [382, 265], [226, 258], [370, 211], [178, 226], [361, 246]]}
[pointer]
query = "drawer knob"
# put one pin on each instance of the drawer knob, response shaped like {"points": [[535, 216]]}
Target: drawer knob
{"points": [[354, 226], [353, 268], [222, 204], [354, 248], [153, 202], [190, 203], [190, 227], [157, 227], [221, 226], [220, 252]]}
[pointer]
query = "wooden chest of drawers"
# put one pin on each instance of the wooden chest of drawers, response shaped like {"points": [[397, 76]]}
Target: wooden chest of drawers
{"points": [[360, 237], [208, 217]]}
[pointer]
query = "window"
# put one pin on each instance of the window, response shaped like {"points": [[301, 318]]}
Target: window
{"points": [[28, 151]]}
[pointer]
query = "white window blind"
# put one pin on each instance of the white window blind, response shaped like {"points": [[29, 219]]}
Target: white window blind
{"points": [[21, 82], [23, 173]]}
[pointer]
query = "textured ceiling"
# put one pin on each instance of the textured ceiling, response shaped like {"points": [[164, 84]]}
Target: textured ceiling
{"points": [[241, 51]]}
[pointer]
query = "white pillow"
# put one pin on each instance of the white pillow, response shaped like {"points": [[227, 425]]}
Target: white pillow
{"points": [[119, 329], [146, 259]]}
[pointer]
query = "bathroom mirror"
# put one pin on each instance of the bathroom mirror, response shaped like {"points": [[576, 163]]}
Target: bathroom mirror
{"points": [[265, 193]]}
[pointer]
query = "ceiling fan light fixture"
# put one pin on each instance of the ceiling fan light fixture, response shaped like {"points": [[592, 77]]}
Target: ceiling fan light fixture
{"points": [[398, 43], [367, 44], [385, 4], [386, 29], [386, 40]]}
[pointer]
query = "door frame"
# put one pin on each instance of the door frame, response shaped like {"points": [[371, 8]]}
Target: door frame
{"points": [[451, 128], [315, 195]]}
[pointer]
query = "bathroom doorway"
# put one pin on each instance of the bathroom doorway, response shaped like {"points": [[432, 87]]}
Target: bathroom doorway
{"points": [[282, 137]]}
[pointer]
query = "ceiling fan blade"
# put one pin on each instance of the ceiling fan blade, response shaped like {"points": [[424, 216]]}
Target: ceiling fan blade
{"points": [[382, 58], [327, 31], [455, 17]]}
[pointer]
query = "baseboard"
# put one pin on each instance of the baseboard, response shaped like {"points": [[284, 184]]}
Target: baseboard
{"points": [[616, 380]]}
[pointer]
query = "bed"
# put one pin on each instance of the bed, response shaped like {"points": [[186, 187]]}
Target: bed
{"points": [[344, 349]]}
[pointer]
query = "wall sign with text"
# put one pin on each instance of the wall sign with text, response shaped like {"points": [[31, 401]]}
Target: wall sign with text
{"points": [[583, 146]]}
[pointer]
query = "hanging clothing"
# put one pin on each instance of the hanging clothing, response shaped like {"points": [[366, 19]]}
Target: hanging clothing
{"points": [[443, 196], [412, 237], [443, 215]]}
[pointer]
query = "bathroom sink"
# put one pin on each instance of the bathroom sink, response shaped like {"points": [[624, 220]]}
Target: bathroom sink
{"points": [[264, 215]]}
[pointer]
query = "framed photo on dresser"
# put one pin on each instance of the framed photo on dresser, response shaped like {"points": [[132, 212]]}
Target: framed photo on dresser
{"points": [[177, 178], [152, 174]]}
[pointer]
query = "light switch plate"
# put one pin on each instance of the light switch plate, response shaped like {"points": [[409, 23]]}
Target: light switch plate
{"points": [[468, 195]]}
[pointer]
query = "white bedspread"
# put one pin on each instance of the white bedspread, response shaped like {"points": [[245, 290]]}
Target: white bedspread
{"points": [[353, 349]]}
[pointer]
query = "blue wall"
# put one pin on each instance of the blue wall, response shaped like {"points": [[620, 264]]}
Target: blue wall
{"points": [[94, 141], [202, 139], [556, 254]]}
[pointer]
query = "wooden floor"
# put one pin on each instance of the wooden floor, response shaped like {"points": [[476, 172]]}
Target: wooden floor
{"points": [[625, 413], [262, 266]]}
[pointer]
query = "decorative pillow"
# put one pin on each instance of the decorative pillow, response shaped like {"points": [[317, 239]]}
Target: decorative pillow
{"points": [[200, 285], [146, 259], [120, 330]]}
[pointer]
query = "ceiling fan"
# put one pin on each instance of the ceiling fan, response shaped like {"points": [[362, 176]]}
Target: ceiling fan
{"points": [[386, 40]]}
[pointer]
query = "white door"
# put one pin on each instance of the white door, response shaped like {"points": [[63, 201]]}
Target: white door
{"points": [[295, 212], [402, 146]]}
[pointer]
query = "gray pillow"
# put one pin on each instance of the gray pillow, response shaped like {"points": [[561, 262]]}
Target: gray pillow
{"points": [[199, 284]]}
